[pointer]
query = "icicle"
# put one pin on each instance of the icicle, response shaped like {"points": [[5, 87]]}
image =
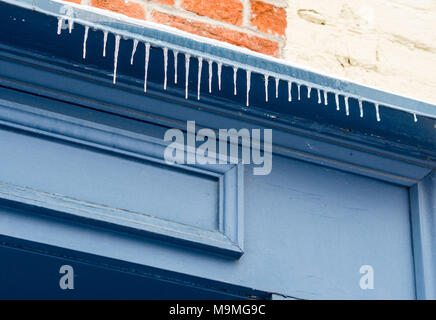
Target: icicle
{"points": [[187, 60], [319, 95], [298, 91], [277, 86], [361, 108], [147, 55], [135, 44], [220, 66], [347, 107], [209, 62], [117, 47], [60, 21], [337, 101], [266, 88], [289, 91], [325, 98], [415, 119], [235, 75], [70, 25], [175, 53], [377, 111], [85, 37], [308, 92], [165, 55], [105, 33], [200, 66], [248, 72]]}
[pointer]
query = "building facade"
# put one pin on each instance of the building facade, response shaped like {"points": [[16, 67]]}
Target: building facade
{"points": [[334, 198]]}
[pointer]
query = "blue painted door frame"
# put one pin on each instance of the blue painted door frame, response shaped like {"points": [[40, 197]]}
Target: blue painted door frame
{"points": [[83, 176]]}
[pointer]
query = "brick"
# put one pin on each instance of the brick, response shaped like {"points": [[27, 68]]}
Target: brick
{"points": [[168, 2], [219, 33], [224, 10], [268, 18], [131, 9]]}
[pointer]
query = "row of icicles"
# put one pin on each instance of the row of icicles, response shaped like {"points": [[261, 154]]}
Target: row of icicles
{"points": [[321, 93]]}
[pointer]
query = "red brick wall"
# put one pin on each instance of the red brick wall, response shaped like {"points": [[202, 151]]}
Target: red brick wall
{"points": [[254, 24]]}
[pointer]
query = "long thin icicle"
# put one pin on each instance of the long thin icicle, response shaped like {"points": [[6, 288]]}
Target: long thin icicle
{"points": [[377, 111], [235, 75], [220, 66], [266, 87], [60, 21], [117, 48], [289, 91], [187, 60], [147, 56], [347, 107], [70, 25], [325, 98], [309, 89], [85, 37], [209, 62], [248, 72], [200, 66], [361, 108], [415, 119], [175, 53], [105, 33], [135, 44], [165, 56], [276, 79], [298, 91], [337, 101], [319, 95]]}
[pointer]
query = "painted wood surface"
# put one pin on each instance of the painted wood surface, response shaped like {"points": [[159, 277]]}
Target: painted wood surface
{"points": [[82, 165]]}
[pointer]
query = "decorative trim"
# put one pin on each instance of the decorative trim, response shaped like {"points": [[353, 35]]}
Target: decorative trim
{"points": [[227, 240], [423, 218]]}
